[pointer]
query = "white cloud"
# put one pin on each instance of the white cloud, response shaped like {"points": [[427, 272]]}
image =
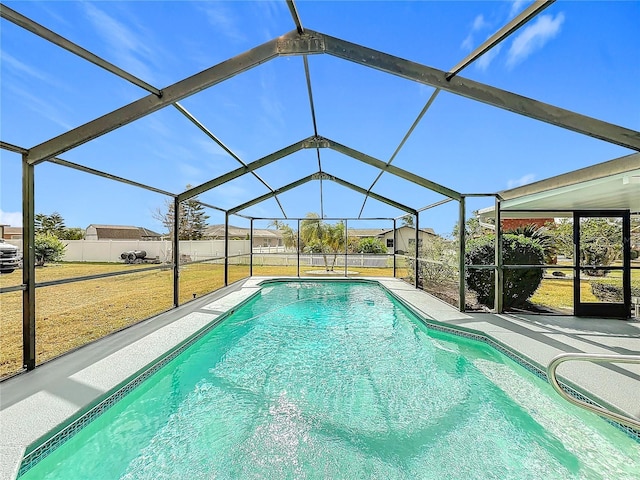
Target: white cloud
{"points": [[518, 182], [516, 8], [22, 68], [485, 60], [13, 219], [479, 23], [47, 107], [220, 17], [534, 37], [133, 53]]}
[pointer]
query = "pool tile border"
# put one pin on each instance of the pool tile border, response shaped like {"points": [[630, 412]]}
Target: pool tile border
{"points": [[66, 432]]}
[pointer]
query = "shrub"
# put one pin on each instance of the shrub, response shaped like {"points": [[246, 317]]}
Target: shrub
{"points": [[48, 248], [607, 292], [438, 262], [371, 245], [519, 284]]}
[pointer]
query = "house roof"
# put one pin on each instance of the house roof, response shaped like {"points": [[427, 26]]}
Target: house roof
{"points": [[429, 231], [123, 232], [215, 231], [366, 232]]}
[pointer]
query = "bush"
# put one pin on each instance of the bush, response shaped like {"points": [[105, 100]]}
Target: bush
{"points": [[519, 284], [371, 245], [48, 248], [607, 292]]}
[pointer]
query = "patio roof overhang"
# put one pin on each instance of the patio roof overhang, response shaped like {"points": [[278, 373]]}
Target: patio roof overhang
{"points": [[612, 185]]}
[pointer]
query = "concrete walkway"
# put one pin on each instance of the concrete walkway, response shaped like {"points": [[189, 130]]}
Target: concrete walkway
{"points": [[33, 404]]}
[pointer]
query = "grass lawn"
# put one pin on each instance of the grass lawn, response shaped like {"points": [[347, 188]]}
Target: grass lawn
{"points": [[557, 294], [73, 314]]}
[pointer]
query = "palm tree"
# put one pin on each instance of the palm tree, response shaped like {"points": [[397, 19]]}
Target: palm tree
{"points": [[407, 220], [322, 238], [312, 233], [335, 240], [289, 235]]}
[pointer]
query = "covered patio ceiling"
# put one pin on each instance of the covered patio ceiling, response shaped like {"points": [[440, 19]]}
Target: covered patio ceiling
{"points": [[610, 185]]}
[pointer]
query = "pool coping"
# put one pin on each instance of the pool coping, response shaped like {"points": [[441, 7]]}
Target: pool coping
{"points": [[28, 421]]}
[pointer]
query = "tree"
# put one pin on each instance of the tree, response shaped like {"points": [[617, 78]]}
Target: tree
{"points": [[289, 235], [73, 233], [192, 219], [54, 225], [407, 220], [473, 227], [370, 245], [562, 234], [48, 248], [600, 242], [542, 236], [49, 224], [320, 237]]}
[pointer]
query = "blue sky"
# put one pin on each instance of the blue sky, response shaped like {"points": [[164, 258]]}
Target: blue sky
{"points": [[582, 56]]}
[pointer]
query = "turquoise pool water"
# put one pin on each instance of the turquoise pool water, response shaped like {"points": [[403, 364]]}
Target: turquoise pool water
{"points": [[337, 380]]}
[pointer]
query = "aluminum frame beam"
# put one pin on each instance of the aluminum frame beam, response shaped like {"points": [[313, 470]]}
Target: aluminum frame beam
{"points": [[92, 171], [481, 92], [379, 164], [373, 195], [43, 32], [319, 142], [210, 134], [152, 103], [293, 43], [295, 15], [321, 176], [266, 160], [522, 18], [37, 29], [267, 196], [403, 141]]}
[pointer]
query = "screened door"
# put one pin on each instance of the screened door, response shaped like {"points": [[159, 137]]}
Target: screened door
{"points": [[602, 279]]}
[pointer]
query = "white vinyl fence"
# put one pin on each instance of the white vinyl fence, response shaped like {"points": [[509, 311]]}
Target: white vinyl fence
{"points": [[110, 250]]}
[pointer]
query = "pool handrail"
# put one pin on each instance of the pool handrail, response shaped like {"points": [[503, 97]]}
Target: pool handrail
{"points": [[596, 358]]}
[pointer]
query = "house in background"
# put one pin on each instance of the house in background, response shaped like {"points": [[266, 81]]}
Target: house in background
{"points": [[262, 237], [8, 232], [120, 232], [405, 237]]}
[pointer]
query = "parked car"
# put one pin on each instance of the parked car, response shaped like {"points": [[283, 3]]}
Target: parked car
{"points": [[9, 258]]}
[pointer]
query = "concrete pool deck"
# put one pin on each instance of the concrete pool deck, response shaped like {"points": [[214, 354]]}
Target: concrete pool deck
{"points": [[34, 403]]}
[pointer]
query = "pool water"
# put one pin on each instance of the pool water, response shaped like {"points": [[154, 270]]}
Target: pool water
{"points": [[337, 380]]}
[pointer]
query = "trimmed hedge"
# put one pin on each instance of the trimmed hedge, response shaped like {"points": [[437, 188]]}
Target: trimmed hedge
{"points": [[519, 284]]}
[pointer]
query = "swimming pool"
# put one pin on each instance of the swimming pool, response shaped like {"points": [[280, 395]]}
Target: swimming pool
{"points": [[338, 380]]}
